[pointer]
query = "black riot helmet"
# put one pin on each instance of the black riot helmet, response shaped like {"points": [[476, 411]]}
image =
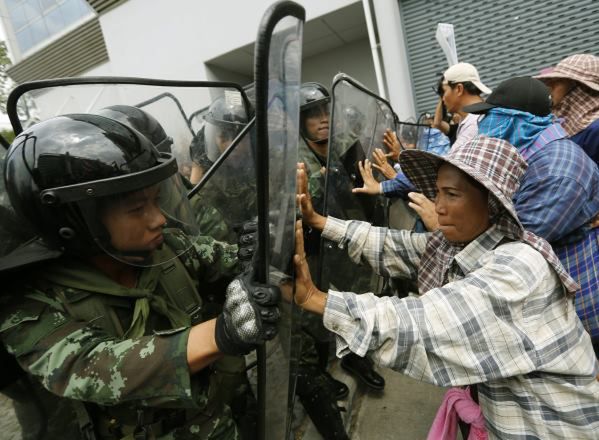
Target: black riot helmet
{"points": [[141, 121], [225, 118], [314, 102], [89, 184], [355, 120]]}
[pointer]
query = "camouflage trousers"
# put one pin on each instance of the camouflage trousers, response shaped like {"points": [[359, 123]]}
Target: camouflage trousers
{"points": [[43, 415]]}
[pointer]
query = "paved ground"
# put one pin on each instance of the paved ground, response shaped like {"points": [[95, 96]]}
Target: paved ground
{"points": [[404, 410], [9, 427]]}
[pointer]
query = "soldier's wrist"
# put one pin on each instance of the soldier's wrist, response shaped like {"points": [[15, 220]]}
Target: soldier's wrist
{"points": [[226, 342]]}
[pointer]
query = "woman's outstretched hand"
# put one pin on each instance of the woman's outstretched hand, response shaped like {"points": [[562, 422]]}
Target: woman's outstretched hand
{"points": [[379, 161], [371, 186], [392, 143], [307, 296]]}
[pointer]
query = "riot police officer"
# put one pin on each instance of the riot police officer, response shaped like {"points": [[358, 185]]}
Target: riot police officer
{"points": [[113, 334], [231, 191], [314, 129], [226, 117]]}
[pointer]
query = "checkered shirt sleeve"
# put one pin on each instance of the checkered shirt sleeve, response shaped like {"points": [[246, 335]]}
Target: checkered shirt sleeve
{"points": [[505, 325], [391, 253]]}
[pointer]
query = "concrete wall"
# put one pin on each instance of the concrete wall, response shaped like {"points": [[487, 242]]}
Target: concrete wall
{"points": [[149, 44], [355, 59]]}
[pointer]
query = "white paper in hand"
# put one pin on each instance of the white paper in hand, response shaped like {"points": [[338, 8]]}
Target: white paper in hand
{"points": [[446, 39]]}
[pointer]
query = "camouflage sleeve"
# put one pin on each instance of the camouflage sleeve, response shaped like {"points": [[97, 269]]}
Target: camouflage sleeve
{"points": [[211, 223], [316, 186], [79, 361], [213, 259]]}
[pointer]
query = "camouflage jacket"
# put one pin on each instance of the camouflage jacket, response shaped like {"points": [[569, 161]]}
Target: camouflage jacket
{"points": [[85, 337], [316, 179]]}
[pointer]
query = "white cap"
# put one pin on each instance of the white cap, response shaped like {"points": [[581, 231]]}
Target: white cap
{"points": [[464, 72]]}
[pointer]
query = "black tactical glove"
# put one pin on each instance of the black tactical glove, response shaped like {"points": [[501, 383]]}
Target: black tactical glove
{"points": [[249, 316], [248, 242], [250, 311]]}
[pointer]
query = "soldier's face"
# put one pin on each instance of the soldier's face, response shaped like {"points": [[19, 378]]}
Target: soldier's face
{"points": [[135, 221], [223, 141], [317, 123]]}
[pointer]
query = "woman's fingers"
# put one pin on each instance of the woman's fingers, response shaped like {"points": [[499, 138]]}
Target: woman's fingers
{"points": [[425, 208], [299, 239], [379, 156], [301, 179]]}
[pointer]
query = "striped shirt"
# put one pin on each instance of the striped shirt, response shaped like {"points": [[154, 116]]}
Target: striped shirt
{"points": [[502, 322]]}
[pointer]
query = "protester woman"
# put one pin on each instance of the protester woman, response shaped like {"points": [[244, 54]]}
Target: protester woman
{"points": [[495, 307]]}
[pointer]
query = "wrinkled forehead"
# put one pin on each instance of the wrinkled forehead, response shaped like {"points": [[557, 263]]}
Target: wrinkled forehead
{"points": [[449, 175]]}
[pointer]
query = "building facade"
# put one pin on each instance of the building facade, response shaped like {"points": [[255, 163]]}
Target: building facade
{"points": [[199, 40]]}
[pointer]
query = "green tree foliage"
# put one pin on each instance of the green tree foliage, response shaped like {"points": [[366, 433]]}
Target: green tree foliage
{"points": [[8, 134], [5, 82]]}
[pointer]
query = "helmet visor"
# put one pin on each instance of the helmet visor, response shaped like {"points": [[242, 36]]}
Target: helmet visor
{"points": [[219, 137], [146, 227]]}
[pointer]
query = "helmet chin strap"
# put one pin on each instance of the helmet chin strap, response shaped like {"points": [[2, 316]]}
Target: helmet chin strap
{"points": [[143, 258], [135, 258], [317, 141]]}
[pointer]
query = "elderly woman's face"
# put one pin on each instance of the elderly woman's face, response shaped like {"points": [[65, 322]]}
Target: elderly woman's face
{"points": [[461, 206]]}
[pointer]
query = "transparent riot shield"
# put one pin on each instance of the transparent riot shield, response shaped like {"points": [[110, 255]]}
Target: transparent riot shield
{"points": [[359, 118], [277, 83], [411, 135], [169, 102]]}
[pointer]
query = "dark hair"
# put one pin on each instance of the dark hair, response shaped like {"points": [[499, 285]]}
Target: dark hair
{"points": [[468, 86], [438, 88]]}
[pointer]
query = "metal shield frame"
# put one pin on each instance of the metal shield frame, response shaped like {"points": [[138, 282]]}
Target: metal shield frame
{"points": [[272, 52], [339, 178]]}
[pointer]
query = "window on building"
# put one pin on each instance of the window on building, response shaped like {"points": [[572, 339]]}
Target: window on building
{"points": [[34, 21]]}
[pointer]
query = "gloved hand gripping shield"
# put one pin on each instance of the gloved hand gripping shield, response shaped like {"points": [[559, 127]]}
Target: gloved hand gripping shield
{"points": [[358, 122]]}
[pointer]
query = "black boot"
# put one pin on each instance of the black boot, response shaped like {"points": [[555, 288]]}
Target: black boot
{"points": [[320, 405], [337, 388], [363, 369]]}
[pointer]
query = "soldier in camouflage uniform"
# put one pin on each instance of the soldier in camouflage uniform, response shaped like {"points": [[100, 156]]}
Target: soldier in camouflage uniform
{"points": [[114, 335], [230, 193], [313, 152], [317, 389]]}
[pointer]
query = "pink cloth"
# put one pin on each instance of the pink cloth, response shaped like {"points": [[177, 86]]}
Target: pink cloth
{"points": [[458, 403]]}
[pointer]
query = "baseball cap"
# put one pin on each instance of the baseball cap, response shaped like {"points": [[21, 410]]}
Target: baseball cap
{"points": [[522, 93], [464, 72]]}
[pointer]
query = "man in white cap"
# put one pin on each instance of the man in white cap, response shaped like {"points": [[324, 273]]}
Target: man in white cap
{"points": [[461, 87]]}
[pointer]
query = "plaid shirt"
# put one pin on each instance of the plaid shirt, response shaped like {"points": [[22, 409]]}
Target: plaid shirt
{"points": [[559, 192], [502, 322], [579, 108], [588, 139]]}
